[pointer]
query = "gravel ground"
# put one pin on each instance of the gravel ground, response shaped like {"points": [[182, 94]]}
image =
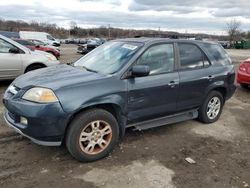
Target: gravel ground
{"points": [[152, 158]]}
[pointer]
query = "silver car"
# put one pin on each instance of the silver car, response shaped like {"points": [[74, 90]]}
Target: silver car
{"points": [[16, 59]]}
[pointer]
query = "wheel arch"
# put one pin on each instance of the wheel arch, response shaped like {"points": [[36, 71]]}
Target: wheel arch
{"points": [[34, 64], [220, 87], [114, 109]]}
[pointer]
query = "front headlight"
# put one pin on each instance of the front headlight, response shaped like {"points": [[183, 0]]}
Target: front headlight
{"points": [[40, 95], [50, 57]]}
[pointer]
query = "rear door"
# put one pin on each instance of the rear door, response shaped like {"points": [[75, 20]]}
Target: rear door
{"points": [[10, 63], [194, 76], [154, 95]]}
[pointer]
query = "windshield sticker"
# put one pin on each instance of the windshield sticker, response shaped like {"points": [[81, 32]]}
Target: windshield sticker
{"points": [[129, 46]]}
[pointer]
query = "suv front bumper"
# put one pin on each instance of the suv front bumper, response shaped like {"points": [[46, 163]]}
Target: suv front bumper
{"points": [[11, 124], [46, 123]]}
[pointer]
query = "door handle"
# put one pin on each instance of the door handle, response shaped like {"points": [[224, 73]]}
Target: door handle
{"points": [[210, 77], [172, 84]]}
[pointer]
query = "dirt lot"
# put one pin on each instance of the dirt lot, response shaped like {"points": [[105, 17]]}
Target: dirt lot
{"points": [[152, 158]]}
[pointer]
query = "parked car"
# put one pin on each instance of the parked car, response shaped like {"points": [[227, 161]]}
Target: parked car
{"points": [[33, 46], [90, 45], [86, 48], [243, 76], [225, 44], [140, 83], [16, 59], [40, 43], [42, 36]]}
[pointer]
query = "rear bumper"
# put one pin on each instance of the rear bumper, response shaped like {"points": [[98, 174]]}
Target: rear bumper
{"points": [[230, 91], [243, 78]]}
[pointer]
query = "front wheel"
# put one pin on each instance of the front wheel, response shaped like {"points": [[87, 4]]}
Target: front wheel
{"points": [[211, 109], [92, 135]]}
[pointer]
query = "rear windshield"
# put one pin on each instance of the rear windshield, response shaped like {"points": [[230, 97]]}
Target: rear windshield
{"points": [[217, 52]]}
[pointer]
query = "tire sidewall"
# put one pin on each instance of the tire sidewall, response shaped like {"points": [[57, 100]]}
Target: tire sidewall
{"points": [[79, 123], [203, 110]]}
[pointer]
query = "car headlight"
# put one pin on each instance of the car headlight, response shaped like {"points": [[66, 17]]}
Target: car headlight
{"points": [[40, 95], [50, 57]]}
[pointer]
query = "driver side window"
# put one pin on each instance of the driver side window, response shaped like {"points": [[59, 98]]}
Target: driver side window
{"points": [[5, 46], [159, 58]]}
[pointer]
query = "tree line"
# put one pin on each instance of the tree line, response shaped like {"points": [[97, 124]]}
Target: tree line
{"points": [[233, 30]]}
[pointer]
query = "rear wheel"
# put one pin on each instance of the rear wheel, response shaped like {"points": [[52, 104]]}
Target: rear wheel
{"points": [[92, 135], [211, 109]]}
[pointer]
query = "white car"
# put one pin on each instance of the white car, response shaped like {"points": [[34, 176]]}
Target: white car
{"points": [[16, 59]]}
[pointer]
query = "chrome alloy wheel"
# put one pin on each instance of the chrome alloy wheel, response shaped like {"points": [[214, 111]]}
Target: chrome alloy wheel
{"points": [[95, 137], [213, 108]]}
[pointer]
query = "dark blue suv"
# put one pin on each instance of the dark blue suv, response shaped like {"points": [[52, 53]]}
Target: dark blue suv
{"points": [[140, 83]]}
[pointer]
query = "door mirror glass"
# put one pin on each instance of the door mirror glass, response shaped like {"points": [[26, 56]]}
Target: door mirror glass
{"points": [[14, 51], [140, 70]]}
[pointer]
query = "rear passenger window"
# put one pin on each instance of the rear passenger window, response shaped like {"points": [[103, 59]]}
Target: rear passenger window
{"points": [[191, 57]]}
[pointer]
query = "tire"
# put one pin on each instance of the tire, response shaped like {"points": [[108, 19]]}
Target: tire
{"points": [[34, 67], [244, 86], [214, 115], [88, 149]]}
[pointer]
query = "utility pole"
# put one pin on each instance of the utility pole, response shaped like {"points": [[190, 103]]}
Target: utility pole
{"points": [[109, 30]]}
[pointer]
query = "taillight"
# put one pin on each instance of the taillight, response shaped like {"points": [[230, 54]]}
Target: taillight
{"points": [[243, 68]]}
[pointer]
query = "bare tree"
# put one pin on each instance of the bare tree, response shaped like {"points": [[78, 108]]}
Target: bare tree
{"points": [[73, 25], [233, 30]]}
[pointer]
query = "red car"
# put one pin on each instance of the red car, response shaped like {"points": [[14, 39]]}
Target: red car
{"points": [[243, 76], [33, 46]]}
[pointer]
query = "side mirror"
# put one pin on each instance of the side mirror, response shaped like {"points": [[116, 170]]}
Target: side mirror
{"points": [[14, 51], [140, 70]]}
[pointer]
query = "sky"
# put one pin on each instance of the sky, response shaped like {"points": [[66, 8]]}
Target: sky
{"points": [[190, 16]]}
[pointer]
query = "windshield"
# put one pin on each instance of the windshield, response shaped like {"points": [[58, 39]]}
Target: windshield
{"points": [[109, 57]]}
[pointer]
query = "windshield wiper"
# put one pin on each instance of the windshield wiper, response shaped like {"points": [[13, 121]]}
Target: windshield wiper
{"points": [[90, 70]]}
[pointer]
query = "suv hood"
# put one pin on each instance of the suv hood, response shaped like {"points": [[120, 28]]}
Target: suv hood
{"points": [[56, 77]]}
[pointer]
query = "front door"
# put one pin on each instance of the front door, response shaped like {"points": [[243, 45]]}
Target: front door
{"points": [[154, 95]]}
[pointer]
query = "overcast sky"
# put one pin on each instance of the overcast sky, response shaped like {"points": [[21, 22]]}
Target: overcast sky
{"points": [[174, 15]]}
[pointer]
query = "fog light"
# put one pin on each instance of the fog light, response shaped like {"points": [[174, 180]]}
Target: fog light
{"points": [[23, 120]]}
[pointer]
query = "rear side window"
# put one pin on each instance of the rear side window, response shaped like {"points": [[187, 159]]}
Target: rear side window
{"points": [[218, 53], [191, 57]]}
